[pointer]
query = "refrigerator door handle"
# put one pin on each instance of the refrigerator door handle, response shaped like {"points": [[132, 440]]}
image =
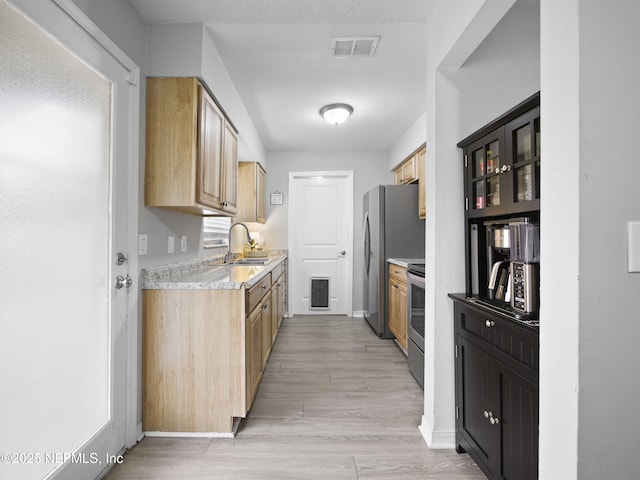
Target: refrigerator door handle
{"points": [[366, 234]]}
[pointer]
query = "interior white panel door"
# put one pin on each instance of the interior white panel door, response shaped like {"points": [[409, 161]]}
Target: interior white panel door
{"points": [[321, 217], [65, 184]]}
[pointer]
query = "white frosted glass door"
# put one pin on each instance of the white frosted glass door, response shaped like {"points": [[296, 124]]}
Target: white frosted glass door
{"points": [[59, 317]]}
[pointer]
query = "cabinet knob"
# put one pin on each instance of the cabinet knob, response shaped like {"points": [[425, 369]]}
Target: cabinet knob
{"points": [[264, 306], [494, 420], [490, 323], [264, 287], [486, 414]]}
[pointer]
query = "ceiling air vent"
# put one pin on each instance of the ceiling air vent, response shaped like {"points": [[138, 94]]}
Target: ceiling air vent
{"points": [[353, 46]]}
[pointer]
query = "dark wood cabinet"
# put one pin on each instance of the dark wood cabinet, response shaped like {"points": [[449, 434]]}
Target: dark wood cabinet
{"points": [[497, 345], [502, 164], [496, 391]]}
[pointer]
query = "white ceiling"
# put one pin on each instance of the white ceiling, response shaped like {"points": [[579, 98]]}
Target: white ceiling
{"points": [[277, 54]]}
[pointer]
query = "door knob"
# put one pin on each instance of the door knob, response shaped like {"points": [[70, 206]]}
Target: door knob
{"points": [[123, 281], [343, 253]]}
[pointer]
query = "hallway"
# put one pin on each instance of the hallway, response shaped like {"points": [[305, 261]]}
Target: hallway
{"points": [[336, 402]]}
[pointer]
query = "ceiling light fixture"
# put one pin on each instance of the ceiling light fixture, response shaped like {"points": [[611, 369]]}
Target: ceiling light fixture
{"points": [[336, 113]]}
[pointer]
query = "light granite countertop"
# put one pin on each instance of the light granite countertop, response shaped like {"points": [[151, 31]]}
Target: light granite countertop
{"points": [[207, 274], [404, 262]]}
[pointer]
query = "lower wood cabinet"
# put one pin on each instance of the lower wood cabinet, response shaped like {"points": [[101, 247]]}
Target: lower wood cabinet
{"points": [[496, 392], [204, 353], [397, 307]]}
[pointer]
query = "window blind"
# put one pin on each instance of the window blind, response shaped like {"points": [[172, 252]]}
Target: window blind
{"points": [[216, 231]]}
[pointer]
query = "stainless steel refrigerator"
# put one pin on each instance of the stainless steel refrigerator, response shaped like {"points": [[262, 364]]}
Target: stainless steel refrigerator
{"points": [[391, 229]]}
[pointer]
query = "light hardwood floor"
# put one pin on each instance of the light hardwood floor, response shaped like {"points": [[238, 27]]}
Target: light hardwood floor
{"points": [[336, 402]]}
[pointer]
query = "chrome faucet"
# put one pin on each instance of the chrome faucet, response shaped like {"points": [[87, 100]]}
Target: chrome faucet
{"points": [[229, 255]]}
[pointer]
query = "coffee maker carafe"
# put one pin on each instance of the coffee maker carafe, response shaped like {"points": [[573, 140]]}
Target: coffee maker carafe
{"points": [[525, 261], [498, 261]]}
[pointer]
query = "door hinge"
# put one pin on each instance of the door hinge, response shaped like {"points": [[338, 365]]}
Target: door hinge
{"points": [[457, 412], [465, 161], [456, 351], [466, 203]]}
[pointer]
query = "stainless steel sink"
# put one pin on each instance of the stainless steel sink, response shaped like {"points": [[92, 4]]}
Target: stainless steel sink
{"points": [[252, 261]]}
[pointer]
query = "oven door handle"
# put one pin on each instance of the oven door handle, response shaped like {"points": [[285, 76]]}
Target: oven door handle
{"points": [[416, 279]]}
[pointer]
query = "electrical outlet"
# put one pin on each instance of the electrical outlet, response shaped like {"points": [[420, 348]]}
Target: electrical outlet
{"points": [[171, 244], [183, 243], [142, 244]]}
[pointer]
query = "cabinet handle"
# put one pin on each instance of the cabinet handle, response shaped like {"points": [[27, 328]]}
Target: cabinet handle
{"points": [[264, 306], [490, 323], [264, 287], [493, 420]]}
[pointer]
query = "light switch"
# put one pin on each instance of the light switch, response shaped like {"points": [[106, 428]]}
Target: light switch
{"points": [[142, 244], [171, 244], [183, 243], [633, 229]]}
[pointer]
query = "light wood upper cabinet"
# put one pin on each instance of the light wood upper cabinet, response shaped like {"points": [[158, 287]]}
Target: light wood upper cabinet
{"points": [[191, 152], [251, 193], [411, 170], [230, 168], [422, 205], [406, 172]]}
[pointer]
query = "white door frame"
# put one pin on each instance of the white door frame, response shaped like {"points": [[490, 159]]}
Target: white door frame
{"points": [[41, 12], [293, 176]]}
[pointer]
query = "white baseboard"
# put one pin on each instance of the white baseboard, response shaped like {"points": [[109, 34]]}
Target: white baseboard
{"points": [[358, 314], [438, 440], [191, 434]]}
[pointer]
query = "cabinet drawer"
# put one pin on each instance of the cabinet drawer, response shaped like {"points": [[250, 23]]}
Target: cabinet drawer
{"points": [[276, 272], [508, 339], [397, 273], [255, 293]]}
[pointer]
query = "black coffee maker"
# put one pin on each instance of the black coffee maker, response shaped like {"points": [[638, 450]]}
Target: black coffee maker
{"points": [[498, 260]]}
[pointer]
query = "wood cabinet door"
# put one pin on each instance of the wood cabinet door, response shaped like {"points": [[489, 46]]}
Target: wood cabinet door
{"points": [[522, 137], [209, 160], [393, 308], [518, 420], [260, 181], [409, 170], [267, 337], [230, 169], [254, 352], [422, 200], [402, 315], [486, 183], [477, 402]]}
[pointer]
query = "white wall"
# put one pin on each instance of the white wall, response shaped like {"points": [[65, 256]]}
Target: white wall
{"points": [[559, 287], [482, 60], [589, 379], [370, 168], [409, 141]]}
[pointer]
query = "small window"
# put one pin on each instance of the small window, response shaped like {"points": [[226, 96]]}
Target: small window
{"points": [[216, 231]]}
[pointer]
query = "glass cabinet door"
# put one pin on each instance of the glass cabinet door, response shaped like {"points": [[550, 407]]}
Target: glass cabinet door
{"points": [[485, 162], [523, 145]]}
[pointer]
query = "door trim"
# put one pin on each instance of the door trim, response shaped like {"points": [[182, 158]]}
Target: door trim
{"points": [[40, 11], [293, 176]]}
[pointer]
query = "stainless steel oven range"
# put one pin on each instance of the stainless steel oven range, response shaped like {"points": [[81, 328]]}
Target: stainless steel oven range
{"points": [[415, 322]]}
